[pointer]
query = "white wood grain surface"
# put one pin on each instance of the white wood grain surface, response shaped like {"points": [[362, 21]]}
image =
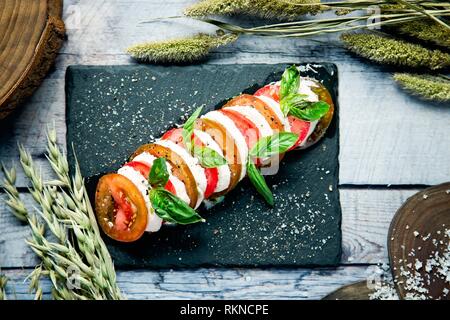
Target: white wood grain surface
{"points": [[219, 283], [387, 137]]}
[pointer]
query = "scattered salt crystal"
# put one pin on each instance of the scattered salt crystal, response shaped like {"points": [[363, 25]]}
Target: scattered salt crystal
{"points": [[418, 265]]}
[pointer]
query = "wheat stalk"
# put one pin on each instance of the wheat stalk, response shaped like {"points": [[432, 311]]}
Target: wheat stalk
{"points": [[387, 50], [67, 213], [3, 282], [181, 50], [273, 9], [428, 87]]}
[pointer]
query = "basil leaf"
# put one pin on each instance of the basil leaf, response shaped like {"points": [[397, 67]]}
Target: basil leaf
{"points": [[311, 112], [188, 128], [275, 144], [171, 208], [208, 157], [290, 81], [159, 174], [258, 181], [292, 100]]}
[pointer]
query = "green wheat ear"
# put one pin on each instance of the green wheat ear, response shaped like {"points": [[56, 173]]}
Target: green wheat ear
{"points": [[426, 86], [385, 50], [268, 9], [426, 30], [183, 50]]}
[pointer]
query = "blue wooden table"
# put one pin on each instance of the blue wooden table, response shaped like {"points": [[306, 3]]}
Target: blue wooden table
{"points": [[392, 145]]}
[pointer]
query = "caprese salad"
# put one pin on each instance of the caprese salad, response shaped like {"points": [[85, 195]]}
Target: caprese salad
{"points": [[165, 181]]}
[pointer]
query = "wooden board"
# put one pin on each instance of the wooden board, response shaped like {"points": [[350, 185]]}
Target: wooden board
{"points": [[213, 283], [31, 33], [113, 110], [419, 236], [354, 291]]}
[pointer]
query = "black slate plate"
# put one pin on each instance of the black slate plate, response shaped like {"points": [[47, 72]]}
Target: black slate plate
{"points": [[111, 110]]}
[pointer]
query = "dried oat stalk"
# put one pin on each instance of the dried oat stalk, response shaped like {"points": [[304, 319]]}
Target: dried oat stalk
{"points": [[428, 87], [75, 257], [286, 10], [183, 50], [386, 50]]}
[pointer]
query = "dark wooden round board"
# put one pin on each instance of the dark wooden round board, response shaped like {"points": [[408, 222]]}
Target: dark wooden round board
{"points": [[354, 291], [31, 33], [419, 239]]}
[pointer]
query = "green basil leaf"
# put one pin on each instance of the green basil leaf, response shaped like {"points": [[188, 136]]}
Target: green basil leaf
{"points": [[159, 175], [208, 157], [275, 144], [188, 128], [171, 208], [258, 181], [290, 81], [311, 112], [292, 100]]}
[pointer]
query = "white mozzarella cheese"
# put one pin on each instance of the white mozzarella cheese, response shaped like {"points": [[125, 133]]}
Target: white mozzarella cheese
{"points": [[180, 188], [275, 106], [256, 117], [197, 171], [235, 134], [224, 173], [154, 222]]}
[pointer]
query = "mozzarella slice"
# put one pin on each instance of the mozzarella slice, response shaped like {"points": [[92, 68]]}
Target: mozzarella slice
{"points": [[256, 117], [180, 188], [154, 222], [275, 106], [235, 134], [223, 171], [197, 171], [305, 88]]}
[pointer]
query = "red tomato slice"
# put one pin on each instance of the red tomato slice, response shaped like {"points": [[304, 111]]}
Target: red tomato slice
{"points": [[300, 127], [120, 208], [271, 91], [170, 187], [212, 174], [141, 167], [144, 170], [123, 209], [245, 126], [175, 135]]}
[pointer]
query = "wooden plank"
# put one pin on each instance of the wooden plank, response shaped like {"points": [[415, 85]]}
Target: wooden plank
{"points": [[218, 283], [366, 215]]}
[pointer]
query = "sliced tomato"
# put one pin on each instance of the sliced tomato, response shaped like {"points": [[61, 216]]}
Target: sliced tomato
{"points": [[245, 126], [212, 174], [212, 177], [141, 167], [120, 208], [299, 127], [144, 170], [271, 91], [175, 135], [170, 187]]}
